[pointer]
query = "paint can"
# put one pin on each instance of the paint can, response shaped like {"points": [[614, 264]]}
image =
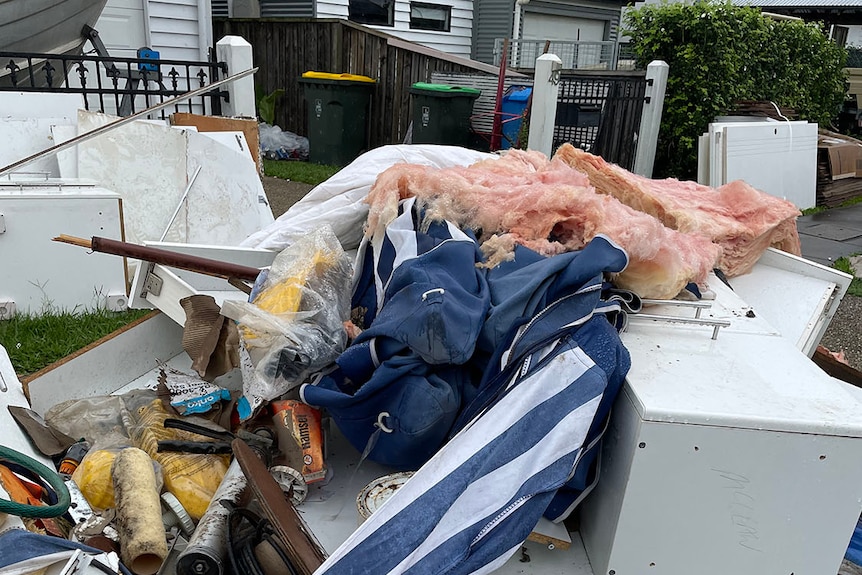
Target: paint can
{"points": [[378, 491]]}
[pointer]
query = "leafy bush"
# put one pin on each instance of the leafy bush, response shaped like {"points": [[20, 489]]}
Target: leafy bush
{"points": [[266, 104], [719, 54]]}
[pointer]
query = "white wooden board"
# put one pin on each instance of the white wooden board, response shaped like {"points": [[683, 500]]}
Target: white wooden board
{"points": [[103, 369], [150, 165], [22, 138], [816, 293]]}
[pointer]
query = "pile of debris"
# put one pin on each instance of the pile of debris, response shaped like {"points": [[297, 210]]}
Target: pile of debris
{"points": [[473, 344]]}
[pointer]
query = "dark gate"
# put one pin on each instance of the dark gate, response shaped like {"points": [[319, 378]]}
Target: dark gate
{"points": [[120, 86], [600, 112]]}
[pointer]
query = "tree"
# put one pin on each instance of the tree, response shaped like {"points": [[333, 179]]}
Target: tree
{"points": [[719, 54]]}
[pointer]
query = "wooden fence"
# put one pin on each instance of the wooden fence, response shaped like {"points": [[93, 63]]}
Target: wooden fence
{"points": [[285, 48]]}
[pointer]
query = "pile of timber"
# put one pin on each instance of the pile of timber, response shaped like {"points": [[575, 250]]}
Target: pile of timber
{"points": [[835, 189]]}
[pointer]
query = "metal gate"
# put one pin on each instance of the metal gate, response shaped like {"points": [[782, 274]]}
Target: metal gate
{"points": [[600, 112], [120, 86]]}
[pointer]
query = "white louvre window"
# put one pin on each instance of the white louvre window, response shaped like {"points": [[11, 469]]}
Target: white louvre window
{"points": [[430, 16], [376, 12]]}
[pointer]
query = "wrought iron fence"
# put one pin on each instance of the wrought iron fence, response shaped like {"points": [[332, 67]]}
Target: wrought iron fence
{"points": [[575, 55], [600, 112], [121, 86]]}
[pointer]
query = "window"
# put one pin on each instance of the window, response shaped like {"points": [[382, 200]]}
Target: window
{"points": [[430, 16], [375, 12], [220, 8]]}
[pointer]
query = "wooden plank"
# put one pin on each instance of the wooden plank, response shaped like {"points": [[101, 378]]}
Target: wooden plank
{"points": [[835, 368], [248, 127]]}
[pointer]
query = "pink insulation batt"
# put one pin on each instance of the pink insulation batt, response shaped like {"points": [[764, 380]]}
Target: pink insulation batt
{"points": [[548, 206], [739, 218]]}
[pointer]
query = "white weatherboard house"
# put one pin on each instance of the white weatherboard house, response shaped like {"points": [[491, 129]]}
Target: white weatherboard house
{"points": [[445, 25], [177, 29], [467, 28]]}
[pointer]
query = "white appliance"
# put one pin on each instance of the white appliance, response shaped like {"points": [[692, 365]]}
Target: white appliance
{"points": [[779, 158], [728, 455], [41, 275]]}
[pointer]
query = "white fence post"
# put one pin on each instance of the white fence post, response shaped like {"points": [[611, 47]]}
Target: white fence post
{"points": [[236, 52], [656, 76], [543, 113]]}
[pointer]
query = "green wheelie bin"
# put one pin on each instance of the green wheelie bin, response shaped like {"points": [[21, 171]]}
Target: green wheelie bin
{"points": [[338, 107], [441, 113]]}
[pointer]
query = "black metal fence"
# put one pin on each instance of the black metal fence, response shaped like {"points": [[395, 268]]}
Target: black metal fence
{"points": [[121, 86], [600, 112]]}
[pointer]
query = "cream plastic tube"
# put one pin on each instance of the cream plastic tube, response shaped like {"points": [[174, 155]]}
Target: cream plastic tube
{"points": [[143, 543]]}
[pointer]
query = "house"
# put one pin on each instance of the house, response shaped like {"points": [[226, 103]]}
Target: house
{"points": [[541, 21], [466, 28], [445, 25], [177, 29]]}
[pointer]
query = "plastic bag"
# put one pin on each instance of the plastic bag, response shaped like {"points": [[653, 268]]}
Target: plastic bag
{"points": [[93, 476], [192, 478], [276, 144], [100, 419], [294, 325]]}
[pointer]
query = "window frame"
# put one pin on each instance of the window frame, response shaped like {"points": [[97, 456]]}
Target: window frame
{"points": [[390, 22], [430, 5]]}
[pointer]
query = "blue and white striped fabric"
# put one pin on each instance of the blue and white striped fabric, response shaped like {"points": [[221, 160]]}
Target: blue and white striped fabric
{"points": [[471, 506]]}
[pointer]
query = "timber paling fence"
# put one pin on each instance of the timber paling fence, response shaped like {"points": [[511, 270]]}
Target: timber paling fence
{"points": [[285, 48]]}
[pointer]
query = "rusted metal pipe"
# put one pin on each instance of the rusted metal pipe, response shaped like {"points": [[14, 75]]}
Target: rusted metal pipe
{"points": [[497, 125], [164, 257]]}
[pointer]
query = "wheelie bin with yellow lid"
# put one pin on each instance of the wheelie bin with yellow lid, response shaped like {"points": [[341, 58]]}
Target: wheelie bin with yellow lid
{"points": [[338, 111]]}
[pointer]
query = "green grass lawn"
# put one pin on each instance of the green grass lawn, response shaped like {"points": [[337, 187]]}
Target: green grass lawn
{"points": [[298, 171], [36, 341], [855, 288]]}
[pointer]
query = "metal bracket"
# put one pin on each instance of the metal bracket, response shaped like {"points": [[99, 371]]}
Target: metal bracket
{"points": [[79, 509], [152, 283], [118, 302], [698, 306]]}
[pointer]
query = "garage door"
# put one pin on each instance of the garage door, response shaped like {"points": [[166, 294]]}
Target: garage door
{"points": [[566, 29]]}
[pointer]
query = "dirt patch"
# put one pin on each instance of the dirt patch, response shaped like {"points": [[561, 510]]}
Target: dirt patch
{"points": [[283, 193]]}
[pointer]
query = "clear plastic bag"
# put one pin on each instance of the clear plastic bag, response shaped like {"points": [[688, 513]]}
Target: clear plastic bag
{"points": [[277, 144], [101, 419], [191, 477], [93, 476], [294, 325]]}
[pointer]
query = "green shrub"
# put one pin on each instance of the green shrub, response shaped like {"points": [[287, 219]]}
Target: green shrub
{"points": [[719, 54]]}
